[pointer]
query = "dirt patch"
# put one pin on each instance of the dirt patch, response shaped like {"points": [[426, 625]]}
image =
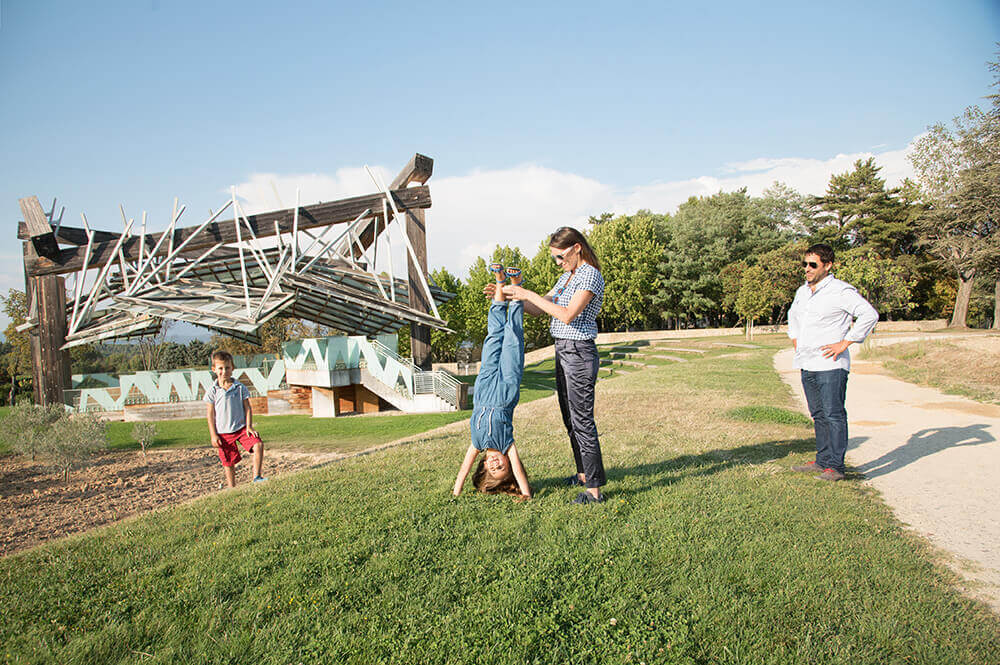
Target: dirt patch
{"points": [[35, 505]]}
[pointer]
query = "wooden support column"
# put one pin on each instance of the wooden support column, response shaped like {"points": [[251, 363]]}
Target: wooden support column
{"points": [[50, 366], [419, 169]]}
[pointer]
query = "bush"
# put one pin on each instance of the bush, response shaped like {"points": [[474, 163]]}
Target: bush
{"points": [[27, 427], [144, 434], [53, 433], [76, 438]]}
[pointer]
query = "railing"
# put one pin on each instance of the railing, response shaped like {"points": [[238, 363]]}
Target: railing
{"points": [[438, 382]]}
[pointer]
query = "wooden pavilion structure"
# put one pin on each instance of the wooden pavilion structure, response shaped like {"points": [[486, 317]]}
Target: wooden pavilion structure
{"points": [[319, 264]]}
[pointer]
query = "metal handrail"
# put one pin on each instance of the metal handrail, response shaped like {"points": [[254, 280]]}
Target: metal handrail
{"points": [[437, 382]]}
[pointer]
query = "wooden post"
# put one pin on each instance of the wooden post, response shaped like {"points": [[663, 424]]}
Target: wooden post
{"points": [[419, 169], [50, 367]]}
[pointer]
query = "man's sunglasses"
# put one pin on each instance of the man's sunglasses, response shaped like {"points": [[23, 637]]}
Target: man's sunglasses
{"points": [[810, 264]]}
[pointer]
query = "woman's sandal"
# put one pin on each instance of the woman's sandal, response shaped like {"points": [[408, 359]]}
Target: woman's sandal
{"points": [[587, 497]]}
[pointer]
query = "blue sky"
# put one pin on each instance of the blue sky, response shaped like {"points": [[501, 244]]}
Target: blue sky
{"points": [[536, 114]]}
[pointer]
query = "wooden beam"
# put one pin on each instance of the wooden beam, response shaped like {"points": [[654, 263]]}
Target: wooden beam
{"points": [[321, 214], [419, 169], [39, 230], [71, 235]]}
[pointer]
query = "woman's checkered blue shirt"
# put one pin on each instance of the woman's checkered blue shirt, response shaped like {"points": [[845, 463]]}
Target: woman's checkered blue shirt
{"points": [[585, 278]]}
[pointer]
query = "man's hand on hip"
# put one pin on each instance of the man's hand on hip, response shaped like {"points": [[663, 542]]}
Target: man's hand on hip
{"points": [[834, 350]]}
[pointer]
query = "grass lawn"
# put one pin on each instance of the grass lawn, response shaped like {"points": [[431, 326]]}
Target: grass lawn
{"points": [[707, 550], [296, 432]]}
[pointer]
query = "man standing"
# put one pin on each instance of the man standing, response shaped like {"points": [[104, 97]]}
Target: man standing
{"points": [[826, 317]]}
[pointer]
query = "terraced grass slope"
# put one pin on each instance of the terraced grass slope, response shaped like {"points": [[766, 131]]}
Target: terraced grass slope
{"points": [[708, 550]]}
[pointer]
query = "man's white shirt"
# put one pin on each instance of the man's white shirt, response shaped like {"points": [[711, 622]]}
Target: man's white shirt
{"points": [[835, 311]]}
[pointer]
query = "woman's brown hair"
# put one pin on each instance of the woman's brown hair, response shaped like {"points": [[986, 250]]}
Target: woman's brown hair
{"points": [[487, 484], [566, 236]]}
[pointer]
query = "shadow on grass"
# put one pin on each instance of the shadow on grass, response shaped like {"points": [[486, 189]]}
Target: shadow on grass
{"points": [[668, 472]]}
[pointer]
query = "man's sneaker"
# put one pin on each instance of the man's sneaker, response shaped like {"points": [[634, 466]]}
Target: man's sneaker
{"points": [[830, 474], [259, 479], [811, 467]]}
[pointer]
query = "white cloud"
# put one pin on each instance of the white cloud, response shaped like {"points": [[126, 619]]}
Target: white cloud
{"points": [[521, 205]]}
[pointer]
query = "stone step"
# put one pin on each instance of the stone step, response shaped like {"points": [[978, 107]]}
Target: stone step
{"points": [[677, 348], [624, 349], [661, 356], [634, 363], [739, 346]]}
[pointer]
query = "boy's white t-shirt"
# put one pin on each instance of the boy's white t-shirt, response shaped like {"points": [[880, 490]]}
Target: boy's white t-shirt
{"points": [[229, 414]]}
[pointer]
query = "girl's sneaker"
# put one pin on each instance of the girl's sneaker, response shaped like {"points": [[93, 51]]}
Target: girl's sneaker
{"points": [[515, 275]]}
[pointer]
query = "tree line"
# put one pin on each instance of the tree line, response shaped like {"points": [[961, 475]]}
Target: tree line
{"points": [[927, 248]]}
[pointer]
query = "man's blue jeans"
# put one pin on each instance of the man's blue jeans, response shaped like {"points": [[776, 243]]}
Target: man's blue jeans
{"points": [[825, 394]]}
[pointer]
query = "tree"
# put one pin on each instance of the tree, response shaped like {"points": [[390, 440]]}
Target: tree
{"points": [[273, 334], [144, 433], [630, 253], [543, 272], [27, 426], [858, 209], [755, 296], [473, 302], [75, 438], [445, 344], [879, 279], [960, 178], [151, 347], [18, 360], [703, 237]]}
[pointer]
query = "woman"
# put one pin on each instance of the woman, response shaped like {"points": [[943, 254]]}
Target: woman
{"points": [[574, 303]]}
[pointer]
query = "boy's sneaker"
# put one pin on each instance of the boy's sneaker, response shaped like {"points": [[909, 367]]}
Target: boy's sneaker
{"points": [[831, 475], [574, 481], [259, 479], [811, 467]]}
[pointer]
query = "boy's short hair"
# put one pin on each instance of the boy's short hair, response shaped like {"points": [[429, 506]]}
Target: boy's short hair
{"points": [[224, 356], [822, 250]]}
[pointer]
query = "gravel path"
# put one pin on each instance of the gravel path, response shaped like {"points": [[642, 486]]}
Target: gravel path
{"points": [[935, 458]]}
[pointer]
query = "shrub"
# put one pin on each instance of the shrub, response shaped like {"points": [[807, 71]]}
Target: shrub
{"points": [[27, 427], [144, 434], [76, 438]]}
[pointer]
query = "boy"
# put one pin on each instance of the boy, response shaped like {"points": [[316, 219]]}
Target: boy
{"points": [[230, 419]]}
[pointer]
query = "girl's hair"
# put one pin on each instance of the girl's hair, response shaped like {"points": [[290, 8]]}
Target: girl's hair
{"points": [[487, 484], [566, 236]]}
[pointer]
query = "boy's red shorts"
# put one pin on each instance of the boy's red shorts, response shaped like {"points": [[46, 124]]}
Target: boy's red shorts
{"points": [[228, 452]]}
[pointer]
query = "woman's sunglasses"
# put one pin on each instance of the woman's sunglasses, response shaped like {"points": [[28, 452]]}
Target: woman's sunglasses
{"points": [[559, 258]]}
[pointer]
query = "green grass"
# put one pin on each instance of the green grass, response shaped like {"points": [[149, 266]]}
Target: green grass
{"points": [[296, 432], [768, 414], [707, 550]]}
